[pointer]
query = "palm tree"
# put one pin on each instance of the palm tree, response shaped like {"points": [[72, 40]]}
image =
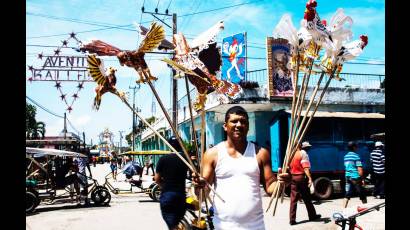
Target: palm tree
{"points": [[37, 131]]}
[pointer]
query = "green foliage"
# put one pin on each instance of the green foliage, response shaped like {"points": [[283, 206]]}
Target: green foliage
{"points": [[34, 129]]}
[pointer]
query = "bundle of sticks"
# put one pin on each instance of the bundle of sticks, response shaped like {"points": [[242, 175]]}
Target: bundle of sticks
{"points": [[306, 44]]}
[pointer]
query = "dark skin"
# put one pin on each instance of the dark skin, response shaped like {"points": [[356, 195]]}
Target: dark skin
{"points": [[237, 127]]}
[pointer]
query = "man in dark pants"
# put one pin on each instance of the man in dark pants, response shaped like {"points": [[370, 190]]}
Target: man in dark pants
{"points": [[378, 161], [300, 170], [354, 174], [170, 174]]}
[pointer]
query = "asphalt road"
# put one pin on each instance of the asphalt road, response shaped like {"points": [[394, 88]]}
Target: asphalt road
{"points": [[130, 211]]}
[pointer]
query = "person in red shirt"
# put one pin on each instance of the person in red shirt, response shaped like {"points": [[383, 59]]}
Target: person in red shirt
{"points": [[301, 181]]}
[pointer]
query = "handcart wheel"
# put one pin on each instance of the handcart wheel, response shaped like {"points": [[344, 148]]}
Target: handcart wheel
{"points": [[101, 196], [155, 193], [150, 190], [31, 201], [152, 185]]}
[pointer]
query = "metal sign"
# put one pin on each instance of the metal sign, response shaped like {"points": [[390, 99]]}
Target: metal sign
{"points": [[62, 68], [280, 75], [234, 58]]}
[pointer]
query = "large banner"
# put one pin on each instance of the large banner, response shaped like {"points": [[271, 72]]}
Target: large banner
{"points": [[234, 58], [279, 71]]}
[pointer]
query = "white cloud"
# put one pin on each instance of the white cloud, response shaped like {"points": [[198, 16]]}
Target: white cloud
{"points": [[363, 17]]}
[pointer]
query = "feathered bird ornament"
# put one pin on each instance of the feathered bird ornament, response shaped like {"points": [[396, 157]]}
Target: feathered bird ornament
{"points": [[340, 28], [105, 80], [347, 52], [200, 61], [134, 59]]}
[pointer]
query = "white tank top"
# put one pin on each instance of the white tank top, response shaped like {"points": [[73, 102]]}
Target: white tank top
{"points": [[237, 181]]}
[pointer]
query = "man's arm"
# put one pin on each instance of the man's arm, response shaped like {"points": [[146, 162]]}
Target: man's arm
{"points": [[157, 178], [267, 176], [307, 172], [268, 179], [208, 164]]}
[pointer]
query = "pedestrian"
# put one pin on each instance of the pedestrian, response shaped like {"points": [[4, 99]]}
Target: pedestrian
{"points": [[377, 159], [94, 159], [301, 181], [119, 162], [83, 163], [114, 166], [236, 167], [170, 175], [150, 165], [354, 174]]}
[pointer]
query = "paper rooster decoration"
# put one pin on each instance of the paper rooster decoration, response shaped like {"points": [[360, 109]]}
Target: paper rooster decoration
{"points": [[105, 80], [135, 58], [200, 61]]}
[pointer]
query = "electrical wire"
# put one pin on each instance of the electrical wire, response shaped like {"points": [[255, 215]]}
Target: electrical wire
{"points": [[43, 108]]}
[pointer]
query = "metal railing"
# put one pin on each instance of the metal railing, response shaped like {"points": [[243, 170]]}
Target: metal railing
{"points": [[367, 81]]}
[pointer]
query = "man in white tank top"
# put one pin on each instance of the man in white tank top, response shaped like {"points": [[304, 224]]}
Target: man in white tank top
{"points": [[237, 167]]}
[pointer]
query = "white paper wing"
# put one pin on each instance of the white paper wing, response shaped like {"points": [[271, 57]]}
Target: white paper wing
{"points": [[285, 29], [208, 36], [340, 26]]}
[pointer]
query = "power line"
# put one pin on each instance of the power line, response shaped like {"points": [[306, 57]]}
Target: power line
{"points": [[43, 108]]}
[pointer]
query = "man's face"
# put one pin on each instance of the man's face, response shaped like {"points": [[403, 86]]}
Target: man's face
{"points": [[237, 126]]}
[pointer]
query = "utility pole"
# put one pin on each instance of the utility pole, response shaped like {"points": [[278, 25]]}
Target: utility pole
{"points": [[174, 81], [133, 116], [120, 140], [65, 126], [84, 139]]}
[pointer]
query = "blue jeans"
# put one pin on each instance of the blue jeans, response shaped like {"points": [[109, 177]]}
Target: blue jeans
{"points": [[173, 206]]}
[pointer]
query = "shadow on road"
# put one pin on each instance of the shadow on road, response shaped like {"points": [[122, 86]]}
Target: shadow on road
{"points": [[324, 220], [65, 207], [148, 201]]}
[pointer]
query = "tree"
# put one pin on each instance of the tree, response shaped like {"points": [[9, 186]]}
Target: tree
{"points": [[34, 129], [37, 131], [30, 117]]}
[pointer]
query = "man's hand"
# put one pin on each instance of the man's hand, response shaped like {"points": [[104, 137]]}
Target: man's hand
{"points": [[283, 178], [198, 181], [310, 183]]}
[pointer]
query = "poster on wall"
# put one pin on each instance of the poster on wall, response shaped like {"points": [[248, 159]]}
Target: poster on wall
{"points": [[234, 58], [279, 71]]}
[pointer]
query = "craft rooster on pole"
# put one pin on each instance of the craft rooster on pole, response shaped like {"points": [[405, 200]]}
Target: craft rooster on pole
{"points": [[105, 80], [135, 58], [200, 61]]}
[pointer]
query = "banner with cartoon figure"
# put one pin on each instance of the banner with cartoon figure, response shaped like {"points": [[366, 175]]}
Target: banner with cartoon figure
{"points": [[234, 58], [279, 71]]}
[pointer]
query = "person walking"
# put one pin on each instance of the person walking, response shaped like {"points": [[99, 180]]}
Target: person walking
{"points": [[114, 167], [170, 175], [354, 174], [378, 161], [150, 165], [301, 181], [236, 167]]}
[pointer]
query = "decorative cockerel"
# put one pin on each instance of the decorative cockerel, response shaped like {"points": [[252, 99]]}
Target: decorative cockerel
{"points": [[199, 62], [347, 52], [105, 81], [134, 59]]}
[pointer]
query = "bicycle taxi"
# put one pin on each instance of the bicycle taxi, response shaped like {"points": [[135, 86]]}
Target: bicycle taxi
{"points": [[50, 177]]}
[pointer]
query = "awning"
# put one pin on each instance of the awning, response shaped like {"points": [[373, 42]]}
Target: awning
{"points": [[39, 152], [148, 152], [344, 114]]}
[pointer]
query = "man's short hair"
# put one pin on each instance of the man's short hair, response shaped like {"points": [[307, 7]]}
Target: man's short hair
{"points": [[351, 145], [239, 110]]}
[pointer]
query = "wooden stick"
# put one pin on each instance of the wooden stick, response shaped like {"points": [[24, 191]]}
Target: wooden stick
{"points": [[202, 133], [317, 105], [192, 119], [170, 122], [191, 167]]}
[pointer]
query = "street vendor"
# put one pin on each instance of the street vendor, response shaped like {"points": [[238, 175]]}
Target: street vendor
{"points": [[237, 167]]}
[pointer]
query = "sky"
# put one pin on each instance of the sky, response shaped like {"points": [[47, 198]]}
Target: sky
{"points": [[48, 23]]}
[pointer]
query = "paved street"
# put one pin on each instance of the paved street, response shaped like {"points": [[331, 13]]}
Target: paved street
{"points": [[138, 211]]}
